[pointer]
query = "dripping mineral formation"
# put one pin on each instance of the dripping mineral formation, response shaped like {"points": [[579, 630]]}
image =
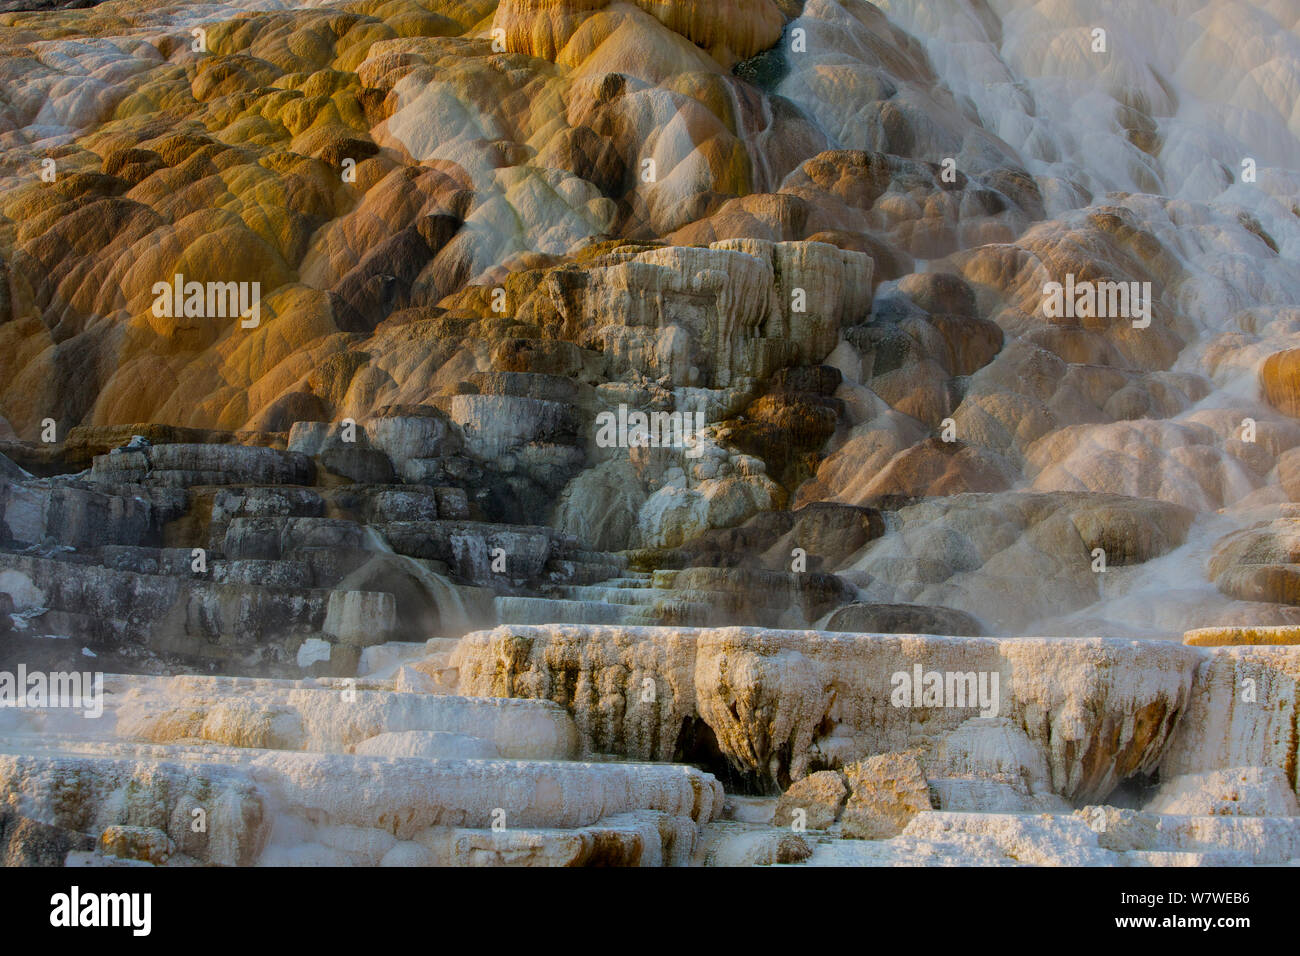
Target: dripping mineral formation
{"points": [[538, 432]]}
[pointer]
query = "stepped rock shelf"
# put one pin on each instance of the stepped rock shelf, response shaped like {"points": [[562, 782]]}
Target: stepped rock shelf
{"points": [[955, 555], [576, 768], [264, 621]]}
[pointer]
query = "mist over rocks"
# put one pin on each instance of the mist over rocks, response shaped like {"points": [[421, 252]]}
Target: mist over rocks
{"points": [[974, 327]]}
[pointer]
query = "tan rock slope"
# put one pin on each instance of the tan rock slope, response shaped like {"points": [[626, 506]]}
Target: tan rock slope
{"points": [[496, 432]]}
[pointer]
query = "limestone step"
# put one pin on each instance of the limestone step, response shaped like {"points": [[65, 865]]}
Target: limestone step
{"points": [[335, 721], [195, 617], [293, 715], [280, 808], [536, 610], [183, 465], [614, 594], [664, 610]]}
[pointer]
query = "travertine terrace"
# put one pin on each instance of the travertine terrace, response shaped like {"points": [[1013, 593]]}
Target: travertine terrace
{"points": [[708, 432]]}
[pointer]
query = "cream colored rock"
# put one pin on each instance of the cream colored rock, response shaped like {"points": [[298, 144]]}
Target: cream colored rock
{"points": [[601, 506], [361, 618], [1260, 840], [95, 793], [601, 673], [1121, 829], [750, 809], [1093, 836], [1237, 791], [150, 844], [1037, 840], [885, 792], [1242, 712], [342, 808], [778, 700], [820, 796], [433, 744], [336, 720], [676, 513], [978, 839], [726, 843], [637, 838], [409, 794], [714, 316], [990, 765]]}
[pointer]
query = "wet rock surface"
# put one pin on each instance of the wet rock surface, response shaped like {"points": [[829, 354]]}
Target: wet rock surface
{"points": [[651, 439]]}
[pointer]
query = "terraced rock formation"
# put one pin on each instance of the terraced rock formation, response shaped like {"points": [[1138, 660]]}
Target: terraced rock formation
{"points": [[574, 431]]}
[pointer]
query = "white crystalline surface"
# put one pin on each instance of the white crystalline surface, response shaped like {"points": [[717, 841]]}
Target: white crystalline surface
{"points": [[476, 635]]}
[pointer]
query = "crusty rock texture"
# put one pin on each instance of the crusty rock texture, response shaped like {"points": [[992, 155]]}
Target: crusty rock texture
{"points": [[651, 432], [819, 797], [477, 227], [886, 792], [369, 772], [321, 773], [1242, 712], [781, 704]]}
